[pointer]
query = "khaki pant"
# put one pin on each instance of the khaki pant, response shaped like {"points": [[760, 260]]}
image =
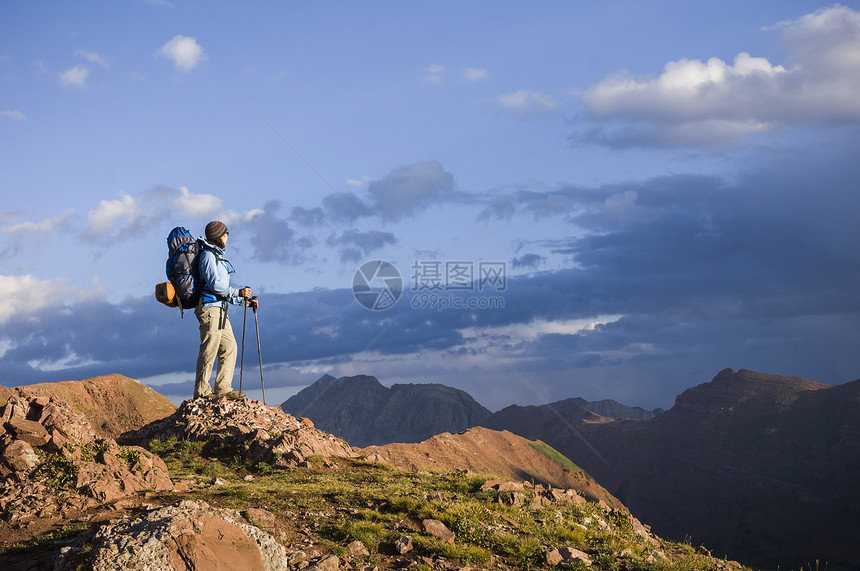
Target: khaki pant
{"points": [[216, 342]]}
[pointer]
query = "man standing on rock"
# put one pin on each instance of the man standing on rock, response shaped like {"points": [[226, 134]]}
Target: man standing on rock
{"points": [[216, 334]]}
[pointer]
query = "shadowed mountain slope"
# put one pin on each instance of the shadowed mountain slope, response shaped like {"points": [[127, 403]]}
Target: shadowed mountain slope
{"points": [[614, 409], [758, 466], [363, 412]]}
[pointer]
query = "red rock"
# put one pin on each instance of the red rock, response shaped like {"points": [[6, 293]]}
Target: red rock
{"points": [[19, 456], [552, 557], [29, 431], [209, 543]]}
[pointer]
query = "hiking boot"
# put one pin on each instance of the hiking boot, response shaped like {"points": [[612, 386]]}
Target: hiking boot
{"points": [[234, 395]]}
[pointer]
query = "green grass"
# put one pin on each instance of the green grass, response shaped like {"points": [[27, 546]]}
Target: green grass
{"points": [[557, 457]]}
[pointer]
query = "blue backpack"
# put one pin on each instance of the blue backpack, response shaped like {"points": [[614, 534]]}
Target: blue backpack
{"points": [[184, 285]]}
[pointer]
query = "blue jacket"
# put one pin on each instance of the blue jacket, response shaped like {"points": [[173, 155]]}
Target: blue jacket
{"points": [[215, 270]]}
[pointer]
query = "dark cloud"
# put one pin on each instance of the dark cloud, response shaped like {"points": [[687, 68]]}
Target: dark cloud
{"points": [[355, 244], [409, 189], [367, 241], [529, 261], [274, 240], [691, 273], [137, 337], [403, 192], [345, 207], [312, 217]]}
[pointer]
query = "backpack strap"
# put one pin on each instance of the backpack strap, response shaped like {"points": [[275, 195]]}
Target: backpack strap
{"points": [[203, 245]]}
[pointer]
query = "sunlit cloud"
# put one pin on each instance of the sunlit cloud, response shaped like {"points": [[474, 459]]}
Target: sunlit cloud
{"points": [[102, 219], [30, 295], [92, 57], [184, 51], [433, 74], [75, 77], [475, 73], [713, 102], [525, 102], [192, 204], [44, 227], [13, 114]]}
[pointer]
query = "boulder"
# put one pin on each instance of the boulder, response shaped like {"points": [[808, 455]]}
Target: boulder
{"points": [[438, 529], [189, 535], [403, 545], [19, 456], [29, 431], [357, 549]]}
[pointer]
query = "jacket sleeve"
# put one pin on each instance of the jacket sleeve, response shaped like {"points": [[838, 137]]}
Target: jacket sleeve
{"points": [[216, 278]]}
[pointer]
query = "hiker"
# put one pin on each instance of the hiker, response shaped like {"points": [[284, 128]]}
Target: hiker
{"points": [[216, 335]]}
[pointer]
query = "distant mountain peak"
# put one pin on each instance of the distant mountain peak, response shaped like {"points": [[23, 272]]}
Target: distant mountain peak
{"points": [[730, 388], [362, 411]]}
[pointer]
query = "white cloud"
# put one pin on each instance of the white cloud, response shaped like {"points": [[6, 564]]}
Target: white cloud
{"points": [[30, 295], [92, 57], [185, 52], [704, 102], [537, 327], [43, 227], [475, 73], [827, 41], [13, 114], [196, 204], [687, 89], [128, 215], [360, 182], [433, 74], [75, 77], [526, 102], [102, 219]]}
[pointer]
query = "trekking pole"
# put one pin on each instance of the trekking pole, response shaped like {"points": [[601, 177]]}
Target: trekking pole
{"points": [[259, 352], [242, 357]]}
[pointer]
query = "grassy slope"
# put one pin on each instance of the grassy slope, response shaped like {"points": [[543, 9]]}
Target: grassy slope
{"points": [[325, 506]]}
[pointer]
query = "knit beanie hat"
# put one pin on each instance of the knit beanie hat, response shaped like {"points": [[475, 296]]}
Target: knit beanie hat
{"points": [[215, 230]]}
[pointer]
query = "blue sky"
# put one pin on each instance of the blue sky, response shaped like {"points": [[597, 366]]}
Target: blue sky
{"points": [[670, 189]]}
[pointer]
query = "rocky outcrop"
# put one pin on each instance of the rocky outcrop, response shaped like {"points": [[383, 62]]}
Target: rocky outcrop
{"points": [[113, 404], [249, 429], [190, 535], [52, 461], [362, 411]]}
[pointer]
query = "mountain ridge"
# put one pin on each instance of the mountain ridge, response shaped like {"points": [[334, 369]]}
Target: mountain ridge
{"points": [[743, 463], [90, 397], [362, 411]]}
